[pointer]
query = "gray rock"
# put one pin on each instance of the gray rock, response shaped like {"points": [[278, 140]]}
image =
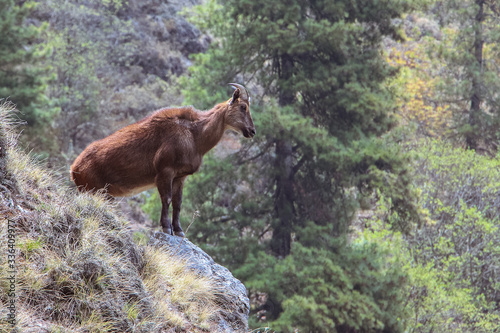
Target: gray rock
{"points": [[231, 293]]}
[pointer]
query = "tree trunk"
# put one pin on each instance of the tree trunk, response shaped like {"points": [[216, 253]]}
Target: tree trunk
{"points": [[283, 203], [476, 98], [284, 196]]}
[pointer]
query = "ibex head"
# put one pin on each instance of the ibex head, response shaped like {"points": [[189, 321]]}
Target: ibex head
{"points": [[238, 115]]}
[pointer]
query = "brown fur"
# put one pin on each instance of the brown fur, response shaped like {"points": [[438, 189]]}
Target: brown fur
{"points": [[160, 150]]}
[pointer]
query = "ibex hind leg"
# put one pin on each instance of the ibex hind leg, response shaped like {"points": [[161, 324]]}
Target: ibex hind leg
{"points": [[176, 205], [164, 184]]}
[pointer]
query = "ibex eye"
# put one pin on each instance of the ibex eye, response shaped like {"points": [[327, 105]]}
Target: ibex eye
{"points": [[243, 108]]}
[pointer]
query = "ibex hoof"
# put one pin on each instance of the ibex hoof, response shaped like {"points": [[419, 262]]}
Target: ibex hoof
{"points": [[179, 233], [168, 231]]}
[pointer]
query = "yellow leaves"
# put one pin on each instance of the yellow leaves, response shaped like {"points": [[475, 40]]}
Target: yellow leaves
{"points": [[415, 87], [409, 54]]}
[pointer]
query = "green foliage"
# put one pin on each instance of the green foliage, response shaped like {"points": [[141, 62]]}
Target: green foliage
{"points": [[336, 64], [337, 289], [321, 107], [460, 193], [468, 56], [433, 301], [451, 260], [23, 78], [330, 130]]}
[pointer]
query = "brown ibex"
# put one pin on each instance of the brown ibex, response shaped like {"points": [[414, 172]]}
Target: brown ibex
{"points": [[161, 150]]}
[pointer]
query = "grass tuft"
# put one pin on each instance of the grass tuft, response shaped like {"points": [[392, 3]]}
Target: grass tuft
{"points": [[166, 276]]}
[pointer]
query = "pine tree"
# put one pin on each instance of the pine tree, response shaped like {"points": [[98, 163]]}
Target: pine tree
{"points": [[22, 77], [316, 73], [470, 55]]}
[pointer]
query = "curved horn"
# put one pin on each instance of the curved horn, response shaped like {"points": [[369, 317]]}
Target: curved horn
{"points": [[243, 91]]}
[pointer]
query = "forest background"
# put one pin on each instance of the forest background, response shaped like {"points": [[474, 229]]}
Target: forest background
{"points": [[368, 200]]}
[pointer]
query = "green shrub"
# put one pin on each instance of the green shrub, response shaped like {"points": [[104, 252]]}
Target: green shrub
{"points": [[353, 290], [452, 259], [460, 192]]}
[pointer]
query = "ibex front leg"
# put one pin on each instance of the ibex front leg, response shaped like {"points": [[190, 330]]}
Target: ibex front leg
{"points": [[164, 181], [176, 205]]}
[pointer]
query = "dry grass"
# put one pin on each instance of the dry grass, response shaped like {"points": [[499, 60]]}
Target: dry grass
{"points": [[192, 298], [77, 266]]}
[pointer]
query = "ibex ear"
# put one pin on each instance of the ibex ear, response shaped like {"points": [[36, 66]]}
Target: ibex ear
{"points": [[236, 95]]}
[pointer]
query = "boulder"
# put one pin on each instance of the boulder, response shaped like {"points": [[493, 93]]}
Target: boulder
{"points": [[230, 292]]}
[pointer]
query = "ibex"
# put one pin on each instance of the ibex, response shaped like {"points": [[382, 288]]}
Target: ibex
{"points": [[161, 150]]}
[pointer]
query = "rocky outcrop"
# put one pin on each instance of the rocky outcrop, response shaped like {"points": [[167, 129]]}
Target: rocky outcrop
{"points": [[231, 293], [77, 269]]}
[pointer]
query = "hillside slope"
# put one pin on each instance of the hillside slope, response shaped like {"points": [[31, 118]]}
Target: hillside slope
{"points": [[68, 262]]}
